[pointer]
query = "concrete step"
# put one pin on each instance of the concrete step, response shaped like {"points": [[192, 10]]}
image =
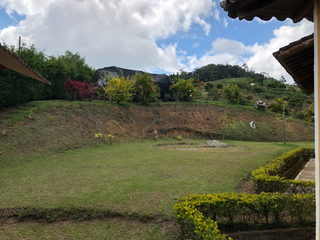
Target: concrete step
{"points": [[308, 172]]}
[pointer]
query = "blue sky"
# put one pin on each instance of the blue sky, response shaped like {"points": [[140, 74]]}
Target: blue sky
{"points": [[7, 20], [161, 36]]}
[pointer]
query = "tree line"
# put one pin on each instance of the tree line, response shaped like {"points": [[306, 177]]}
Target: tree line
{"points": [[17, 88], [212, 72]]}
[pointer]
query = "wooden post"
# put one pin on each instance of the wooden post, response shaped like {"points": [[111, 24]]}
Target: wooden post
{"points": [[19, 43]]}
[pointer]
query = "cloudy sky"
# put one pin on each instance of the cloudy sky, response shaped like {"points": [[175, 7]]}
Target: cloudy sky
{"points": [[160, 36]]}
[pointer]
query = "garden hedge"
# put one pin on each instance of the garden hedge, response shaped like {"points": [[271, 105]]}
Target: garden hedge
{"points": [[270, 177], [200, 215]]}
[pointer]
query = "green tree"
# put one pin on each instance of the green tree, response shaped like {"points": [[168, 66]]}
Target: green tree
{"points": [[146, 89], [213, 94], [183, 90], [308, 113], [56, 69], [120, 90], [277, 105], [209, 86], [232, 92]]}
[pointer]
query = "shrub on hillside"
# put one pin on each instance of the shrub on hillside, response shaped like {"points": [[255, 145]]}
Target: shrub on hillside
{"points": [[244, 101], [276, 84], [76, 90], [209, 86], [277, 105], [99, 92], [249, 97], [219, 85], [258, 89], [184, 90], [146, 89], [232, 92], [213, 94], [119, 90]]}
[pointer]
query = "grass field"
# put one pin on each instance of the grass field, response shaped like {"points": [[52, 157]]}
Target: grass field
{"points": [[131, 178]]}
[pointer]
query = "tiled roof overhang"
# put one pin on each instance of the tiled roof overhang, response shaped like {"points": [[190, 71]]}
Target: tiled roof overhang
{"points": [[266, 9], [298, 60], [10, 60]]}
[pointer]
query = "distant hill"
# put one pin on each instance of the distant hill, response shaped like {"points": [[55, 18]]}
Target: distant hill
{"points": [[213, 72]]}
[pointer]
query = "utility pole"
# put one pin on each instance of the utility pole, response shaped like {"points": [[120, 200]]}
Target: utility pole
{"points": [[19, 43], [284, 126], [224, 122]]}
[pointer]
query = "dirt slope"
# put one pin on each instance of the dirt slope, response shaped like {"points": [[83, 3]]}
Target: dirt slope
{"points": [[65, 125]]}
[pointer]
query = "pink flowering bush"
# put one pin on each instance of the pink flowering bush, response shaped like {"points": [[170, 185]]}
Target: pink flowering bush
{"points": [[76, 90]]}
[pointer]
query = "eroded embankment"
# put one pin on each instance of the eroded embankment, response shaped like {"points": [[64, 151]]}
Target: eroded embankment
{"points": [[68, 126]]}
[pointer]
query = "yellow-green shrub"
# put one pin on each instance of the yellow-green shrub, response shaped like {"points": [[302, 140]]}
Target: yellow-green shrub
{"points": [[269, 178], [120, 90], [198, 214]]}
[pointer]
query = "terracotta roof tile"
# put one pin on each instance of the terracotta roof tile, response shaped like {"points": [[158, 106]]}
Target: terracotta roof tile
{"points": [[11, 61]]}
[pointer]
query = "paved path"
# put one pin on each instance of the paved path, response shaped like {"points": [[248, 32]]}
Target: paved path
{"points": [[308, 172]]}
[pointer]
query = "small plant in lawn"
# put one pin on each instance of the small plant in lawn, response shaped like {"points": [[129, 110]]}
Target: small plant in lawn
{"points": [[179, 137], [4, 132], [98, 136], [155, 135], [29, 114], [13, 121], [110, 138]]}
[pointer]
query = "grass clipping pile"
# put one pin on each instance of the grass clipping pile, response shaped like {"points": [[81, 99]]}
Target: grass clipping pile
{"points": [[211, 145]]}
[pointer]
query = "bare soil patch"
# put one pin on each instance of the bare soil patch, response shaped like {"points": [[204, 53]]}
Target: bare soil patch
{"points": [[246, 186]]}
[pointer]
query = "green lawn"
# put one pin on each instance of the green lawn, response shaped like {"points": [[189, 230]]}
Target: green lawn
{"points": [[130, 177], [106, 229]]}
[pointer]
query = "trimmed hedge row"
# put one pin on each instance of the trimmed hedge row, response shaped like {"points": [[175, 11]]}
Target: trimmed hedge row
{"points": [[270, 178], [198, 214]]}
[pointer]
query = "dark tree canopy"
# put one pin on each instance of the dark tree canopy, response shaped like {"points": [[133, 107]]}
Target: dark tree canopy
{"points": [[17, 88], [212, 72]]}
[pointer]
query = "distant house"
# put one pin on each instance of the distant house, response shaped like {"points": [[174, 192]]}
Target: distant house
{"points": [[9, 60], [162, 80]]}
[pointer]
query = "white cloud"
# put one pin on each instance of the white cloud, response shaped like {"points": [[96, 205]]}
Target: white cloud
{"points": [[113, 32], [225, 22], [262, 59], [124, 33], [233, 47], [258, 57], [196, 44]]}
